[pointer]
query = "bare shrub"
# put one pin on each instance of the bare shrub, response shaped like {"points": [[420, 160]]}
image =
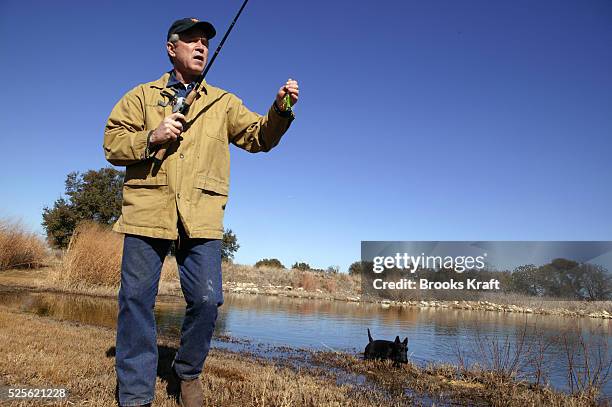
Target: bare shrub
{"points": [[507, 357], [20, 248], [307, 281], [588, 369], [330, 285], [589, 363], [93, 257]]}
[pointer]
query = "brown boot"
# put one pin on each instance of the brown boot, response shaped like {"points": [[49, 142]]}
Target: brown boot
{"points": [[191, 394]]}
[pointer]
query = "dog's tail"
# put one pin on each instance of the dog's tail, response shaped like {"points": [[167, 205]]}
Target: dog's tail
{"points": [[369, 335]]}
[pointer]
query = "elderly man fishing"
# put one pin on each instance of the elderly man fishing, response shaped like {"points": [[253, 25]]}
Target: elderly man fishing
{"points": [[173, 137]]}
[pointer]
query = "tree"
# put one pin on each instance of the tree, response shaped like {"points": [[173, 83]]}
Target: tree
{"points": [[561, 278], [59, 223], [333, 269], [272, 263], [524, 279], [596, 282], [356, 268], [229, 245], [301, 266], [94, 195]]}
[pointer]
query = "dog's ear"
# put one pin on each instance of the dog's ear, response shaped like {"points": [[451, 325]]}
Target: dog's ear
{"points": [[406, 341], [397, 340]]}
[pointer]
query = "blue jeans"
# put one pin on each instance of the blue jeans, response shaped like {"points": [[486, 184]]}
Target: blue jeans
{"points": [[199, 263]]}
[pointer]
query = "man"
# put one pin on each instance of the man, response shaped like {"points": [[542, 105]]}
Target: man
{"points": [[181, 197]]}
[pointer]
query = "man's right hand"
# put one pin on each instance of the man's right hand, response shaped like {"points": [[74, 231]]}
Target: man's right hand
{"points": [[168, 130]]}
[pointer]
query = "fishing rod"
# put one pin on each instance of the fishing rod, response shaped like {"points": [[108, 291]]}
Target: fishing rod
{"points": [[212, 60], [182, 104]]}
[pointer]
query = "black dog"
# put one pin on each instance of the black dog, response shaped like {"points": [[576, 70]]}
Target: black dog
{"points": [[379, 349]]}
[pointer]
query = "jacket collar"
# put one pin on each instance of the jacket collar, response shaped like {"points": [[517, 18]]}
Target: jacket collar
{"points": [[172, 81], [168, 79]]}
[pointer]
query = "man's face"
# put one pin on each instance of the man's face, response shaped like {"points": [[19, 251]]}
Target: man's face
{"points": [[190, 52]]}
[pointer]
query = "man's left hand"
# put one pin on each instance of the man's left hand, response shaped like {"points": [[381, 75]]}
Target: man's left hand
{"points": [[290, 87]]}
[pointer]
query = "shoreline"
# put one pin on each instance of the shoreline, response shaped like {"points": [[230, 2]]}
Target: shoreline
{"points": [[37, 280], [481, 305]]}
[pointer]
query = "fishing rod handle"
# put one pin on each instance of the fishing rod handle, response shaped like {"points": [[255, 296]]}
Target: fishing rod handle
{"points": [[181, 105]]}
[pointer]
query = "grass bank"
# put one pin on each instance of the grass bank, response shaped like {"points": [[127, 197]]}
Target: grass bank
{"points": [[42, 352]]}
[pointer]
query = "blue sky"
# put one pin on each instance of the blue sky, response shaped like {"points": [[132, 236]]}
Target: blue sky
{"points": [[428, 120]]}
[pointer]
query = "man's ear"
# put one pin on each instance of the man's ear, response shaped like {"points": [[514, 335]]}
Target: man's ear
{"points": [[170, 48]]}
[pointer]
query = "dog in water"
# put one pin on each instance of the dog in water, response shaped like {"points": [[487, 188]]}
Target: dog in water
{"points": [[380, 349]]}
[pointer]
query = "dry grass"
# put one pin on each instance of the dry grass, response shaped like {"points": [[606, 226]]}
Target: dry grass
{"points": [[25, 279], [93, 258], [449, 385], [308, 280], [256, 275], [81, 358], [512, 359], [20, 248], [169, 270]]}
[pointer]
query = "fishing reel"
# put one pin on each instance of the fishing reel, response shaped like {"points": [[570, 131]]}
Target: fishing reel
{"points": [[179, 105]]}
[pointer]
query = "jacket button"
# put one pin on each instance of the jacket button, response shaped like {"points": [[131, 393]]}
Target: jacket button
{"points": [[182, 156], [178, 196]]}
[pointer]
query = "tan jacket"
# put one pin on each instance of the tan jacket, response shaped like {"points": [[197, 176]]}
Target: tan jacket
{"points": [[193, 180]]}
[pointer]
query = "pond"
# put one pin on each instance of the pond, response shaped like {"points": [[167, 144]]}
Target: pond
{"points": [[434, 335]]}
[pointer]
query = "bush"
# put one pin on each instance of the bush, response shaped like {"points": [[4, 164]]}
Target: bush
{"points": [[272, 263], [93, 257], [20, 248], [301, 266], [356, 269], [333, 269]]}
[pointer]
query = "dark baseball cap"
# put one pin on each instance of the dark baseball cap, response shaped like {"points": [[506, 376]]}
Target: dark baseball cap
{"points": [[185, 24]]}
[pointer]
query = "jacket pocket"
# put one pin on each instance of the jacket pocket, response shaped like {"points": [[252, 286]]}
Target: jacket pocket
{"points": [[210, 198], [145, 201], [213, 185], [160, 179]]}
